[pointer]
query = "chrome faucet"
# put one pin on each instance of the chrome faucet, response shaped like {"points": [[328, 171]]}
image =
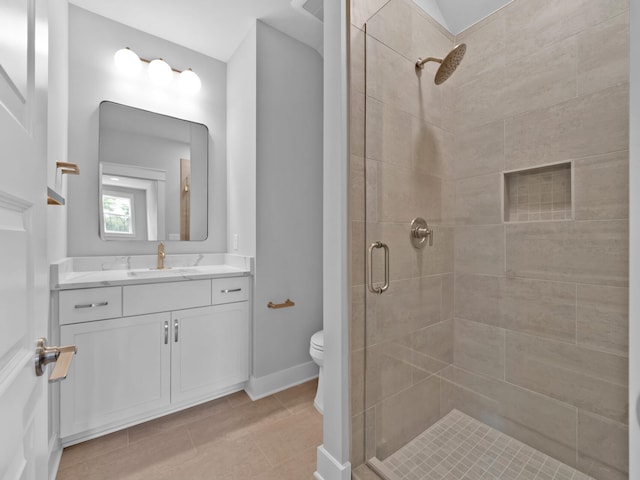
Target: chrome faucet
{"points": [[161, 256]]}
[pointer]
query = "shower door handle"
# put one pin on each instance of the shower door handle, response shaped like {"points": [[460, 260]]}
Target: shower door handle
{"points": [[385, 287]]}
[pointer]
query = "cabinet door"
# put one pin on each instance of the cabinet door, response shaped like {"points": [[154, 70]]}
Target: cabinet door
{"points": [[210, 351], [121, 372]]}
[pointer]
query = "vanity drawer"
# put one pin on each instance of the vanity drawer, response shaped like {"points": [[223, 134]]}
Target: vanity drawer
{"points": [[229, 290], [164, 297], [89, 304]]}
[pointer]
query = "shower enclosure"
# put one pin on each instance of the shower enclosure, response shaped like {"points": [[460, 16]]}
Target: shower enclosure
{"points": [[497, 347]]}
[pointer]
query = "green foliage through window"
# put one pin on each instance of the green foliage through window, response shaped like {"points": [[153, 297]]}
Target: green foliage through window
{"points": [[117, 214]]}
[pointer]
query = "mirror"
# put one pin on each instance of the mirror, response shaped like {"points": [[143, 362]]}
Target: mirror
{"points": [[153, 176]]}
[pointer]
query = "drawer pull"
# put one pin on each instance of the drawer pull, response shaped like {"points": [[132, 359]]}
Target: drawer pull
{"points": [[92, 305], [175, 326], [287, 303], [231, 290], [166, 333]]}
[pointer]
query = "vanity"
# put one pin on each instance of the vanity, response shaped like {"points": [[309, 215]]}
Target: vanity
{"points": [[149, 342]]}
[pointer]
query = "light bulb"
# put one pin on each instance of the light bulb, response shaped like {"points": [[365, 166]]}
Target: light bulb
{"points": [[160, 72], [189, 82], [127, 61]]}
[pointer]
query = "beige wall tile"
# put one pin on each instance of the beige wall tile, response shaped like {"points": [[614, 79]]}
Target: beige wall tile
{"points": [[480, 100], [541, 79], [479, 200], [603, 318], [388, 134], [392, 79], [539, 421], [357, 253], [569, 129], [448, 296], [542, 308], [356, 69], [586, 378], [485, 48], [407, 306], [356, 189], [363, 10], [603, 448], [428, 39], [357, 319], [432, 149], [603, 55], [584, 252], [535, 25], [401, 192], [602, 187], [403, 416], [356, 124], [407, 261], [389, 369], [479, 348], [371, 190], [357, 381], [479, 249], [435, 341], [391, 25], [357, 457], [479, 150]]}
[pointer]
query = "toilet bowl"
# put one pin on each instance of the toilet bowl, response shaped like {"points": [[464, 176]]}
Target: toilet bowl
{"points": [[316, 350]]}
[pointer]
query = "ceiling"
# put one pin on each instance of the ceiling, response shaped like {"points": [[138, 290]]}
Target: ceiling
{"points": [[212, 27], [458, 15]]}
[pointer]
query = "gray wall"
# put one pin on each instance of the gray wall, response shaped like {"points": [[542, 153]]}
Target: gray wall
{"points": [[93, 77], [289, 200]]}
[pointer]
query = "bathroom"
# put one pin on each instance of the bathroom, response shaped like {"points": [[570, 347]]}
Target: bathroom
{"points": [[504, 313]]}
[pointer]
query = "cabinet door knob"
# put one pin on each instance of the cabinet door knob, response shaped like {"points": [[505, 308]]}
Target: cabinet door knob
{"points": [[175, 327], [166, 333]]}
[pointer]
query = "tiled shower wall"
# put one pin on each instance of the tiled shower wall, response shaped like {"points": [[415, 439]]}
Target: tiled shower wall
{"points": [[541, 323], [409, 173], [538, 347]]}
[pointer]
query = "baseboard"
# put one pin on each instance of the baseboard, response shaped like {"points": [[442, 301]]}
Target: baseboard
{"points": [[329, 468], [260, 387]]}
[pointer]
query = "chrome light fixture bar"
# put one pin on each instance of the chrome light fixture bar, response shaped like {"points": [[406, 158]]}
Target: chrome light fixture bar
{"points": [[159, 71]]}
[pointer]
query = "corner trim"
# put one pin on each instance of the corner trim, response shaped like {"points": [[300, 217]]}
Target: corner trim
{"points": [[329, 468], [260, 387]]}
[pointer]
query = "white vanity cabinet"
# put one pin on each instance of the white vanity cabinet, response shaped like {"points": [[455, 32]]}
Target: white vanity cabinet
{"points": [[157, 356]]}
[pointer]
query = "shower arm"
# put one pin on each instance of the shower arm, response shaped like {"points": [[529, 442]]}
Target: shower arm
{"points": [[420, 63]]}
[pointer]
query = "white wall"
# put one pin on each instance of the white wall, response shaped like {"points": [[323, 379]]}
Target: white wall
{"points": [[241, 146], [57, 132], [289, 201], [634, 244], [93, 78]]}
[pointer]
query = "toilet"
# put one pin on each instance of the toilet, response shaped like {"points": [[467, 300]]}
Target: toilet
{"points": [[316, 350]]}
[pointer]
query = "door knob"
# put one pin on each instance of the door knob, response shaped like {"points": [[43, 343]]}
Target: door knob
{"points": [[61, 356]]}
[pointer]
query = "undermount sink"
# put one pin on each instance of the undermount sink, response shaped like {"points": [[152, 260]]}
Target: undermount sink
{"points": [[154, 272]]}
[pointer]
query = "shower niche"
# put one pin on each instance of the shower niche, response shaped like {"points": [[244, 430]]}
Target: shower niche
{"points": [[539, 194]]}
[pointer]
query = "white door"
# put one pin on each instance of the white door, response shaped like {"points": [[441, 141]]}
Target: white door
{"points": [[23, 266], [210, 350]]}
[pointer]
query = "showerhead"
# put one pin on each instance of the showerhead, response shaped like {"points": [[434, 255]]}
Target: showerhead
{"points": [[448, 65]]}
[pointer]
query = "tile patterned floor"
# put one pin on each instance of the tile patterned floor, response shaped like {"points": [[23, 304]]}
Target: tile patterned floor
{"points": [[459, 447], [230, 438]]}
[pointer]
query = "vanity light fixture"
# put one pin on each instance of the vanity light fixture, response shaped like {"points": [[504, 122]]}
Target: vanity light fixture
{"points": [[160, 72]]}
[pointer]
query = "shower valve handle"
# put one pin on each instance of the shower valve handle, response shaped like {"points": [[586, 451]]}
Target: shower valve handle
{"points": [[420, 231]]}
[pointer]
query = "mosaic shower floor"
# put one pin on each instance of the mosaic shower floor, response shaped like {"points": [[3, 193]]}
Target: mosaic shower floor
{"points": [[459, 447]]}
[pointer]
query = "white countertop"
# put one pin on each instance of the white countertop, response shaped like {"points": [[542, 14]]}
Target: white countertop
{"points": [[87, 272]]}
